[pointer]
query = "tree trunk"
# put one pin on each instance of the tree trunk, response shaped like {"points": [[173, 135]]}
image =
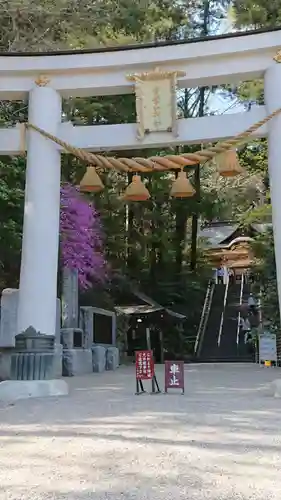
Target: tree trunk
{"points": [[195, 215], [194, 222], [181, 219], [130, 233]]}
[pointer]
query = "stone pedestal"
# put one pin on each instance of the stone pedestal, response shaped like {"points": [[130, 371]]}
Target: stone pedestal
{"points": [[33, 357], [77, 362], [32, 366], [8, 329], [99, 358], [73, 338], [8, 319], [112, 358]]}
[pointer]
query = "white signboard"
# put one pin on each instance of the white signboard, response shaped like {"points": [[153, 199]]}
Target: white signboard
{"points": [[267, 347], [156, 101]]}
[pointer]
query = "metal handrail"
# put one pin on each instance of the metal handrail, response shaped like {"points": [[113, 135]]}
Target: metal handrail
{"points": [[222, 314], [204, 316], [240, 303]]}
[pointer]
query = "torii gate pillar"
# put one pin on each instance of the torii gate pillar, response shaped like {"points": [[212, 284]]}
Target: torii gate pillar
{"points": [[40, 244], [272, 93]]}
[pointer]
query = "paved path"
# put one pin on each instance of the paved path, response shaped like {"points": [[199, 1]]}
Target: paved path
{"points": [[221, 441]]}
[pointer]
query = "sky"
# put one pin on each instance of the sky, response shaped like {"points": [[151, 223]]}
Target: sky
{"points": [[218, 103]]}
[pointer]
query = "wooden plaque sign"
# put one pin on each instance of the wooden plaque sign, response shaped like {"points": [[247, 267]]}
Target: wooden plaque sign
{"points": [[156, 101]]}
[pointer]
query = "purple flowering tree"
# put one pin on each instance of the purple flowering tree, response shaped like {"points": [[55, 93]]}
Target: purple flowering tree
{"points": [[81, 242]]}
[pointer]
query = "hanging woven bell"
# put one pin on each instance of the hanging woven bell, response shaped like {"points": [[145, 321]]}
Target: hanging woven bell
{"points": [[182, 187], [136, 191], [91, 182], [228, 164]]}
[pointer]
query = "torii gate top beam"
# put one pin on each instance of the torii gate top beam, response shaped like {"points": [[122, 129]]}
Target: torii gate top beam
{"points": [[221, 59]]}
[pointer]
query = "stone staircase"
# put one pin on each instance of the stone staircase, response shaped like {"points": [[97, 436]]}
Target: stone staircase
{"points": [[228, 351]]}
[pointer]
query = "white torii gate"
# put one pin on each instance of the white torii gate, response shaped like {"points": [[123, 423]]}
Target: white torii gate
{"points": [[46, 78]]}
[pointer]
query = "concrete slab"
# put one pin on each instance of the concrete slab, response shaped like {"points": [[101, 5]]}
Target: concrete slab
{"points": [[12, 390], [275, 388]]}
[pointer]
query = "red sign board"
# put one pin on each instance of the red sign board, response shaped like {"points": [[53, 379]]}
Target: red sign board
{"points": [[174, 375], [144, 365]]}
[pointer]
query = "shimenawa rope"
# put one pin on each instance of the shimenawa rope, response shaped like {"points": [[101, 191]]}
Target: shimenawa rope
{"points": [[153, 163]]}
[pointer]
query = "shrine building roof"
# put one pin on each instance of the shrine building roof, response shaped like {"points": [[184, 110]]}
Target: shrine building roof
{"points": [[219, 234]]}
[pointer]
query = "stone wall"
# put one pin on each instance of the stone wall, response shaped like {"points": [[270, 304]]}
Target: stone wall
{"points": [[70, 358]]}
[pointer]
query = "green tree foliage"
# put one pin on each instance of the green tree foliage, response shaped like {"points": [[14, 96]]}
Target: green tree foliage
{"points": [[257, 14], [249, 14], [29, 25], [265, 269], [11, 216]]}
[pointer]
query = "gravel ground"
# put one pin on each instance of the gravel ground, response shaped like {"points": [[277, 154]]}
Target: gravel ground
{"points": [[220, 441]]}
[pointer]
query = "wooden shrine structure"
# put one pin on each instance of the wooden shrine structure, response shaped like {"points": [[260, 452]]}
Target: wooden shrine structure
{"points": [[228, 243]]}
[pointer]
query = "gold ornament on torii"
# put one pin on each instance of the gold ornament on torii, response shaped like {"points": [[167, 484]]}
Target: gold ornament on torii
{"points": [[277, 57], [156, 101], [42, 81]]}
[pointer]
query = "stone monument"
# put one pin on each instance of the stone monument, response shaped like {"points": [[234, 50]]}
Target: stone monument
{"points": [[8, 322], [105, 356], [58, 345], [77, 355]]}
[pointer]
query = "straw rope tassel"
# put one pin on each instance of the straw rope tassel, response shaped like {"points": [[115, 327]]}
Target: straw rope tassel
{"points": [[182, 187], [228, 164], [143, 165], [91, 182], [136, 190]]}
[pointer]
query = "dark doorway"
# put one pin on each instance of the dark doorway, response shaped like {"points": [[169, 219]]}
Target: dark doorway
{"points": [[137, 341]]}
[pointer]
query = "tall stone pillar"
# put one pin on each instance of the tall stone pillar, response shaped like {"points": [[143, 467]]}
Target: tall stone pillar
{"points": [[39, 261], [272, 94], [70, 301]]}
